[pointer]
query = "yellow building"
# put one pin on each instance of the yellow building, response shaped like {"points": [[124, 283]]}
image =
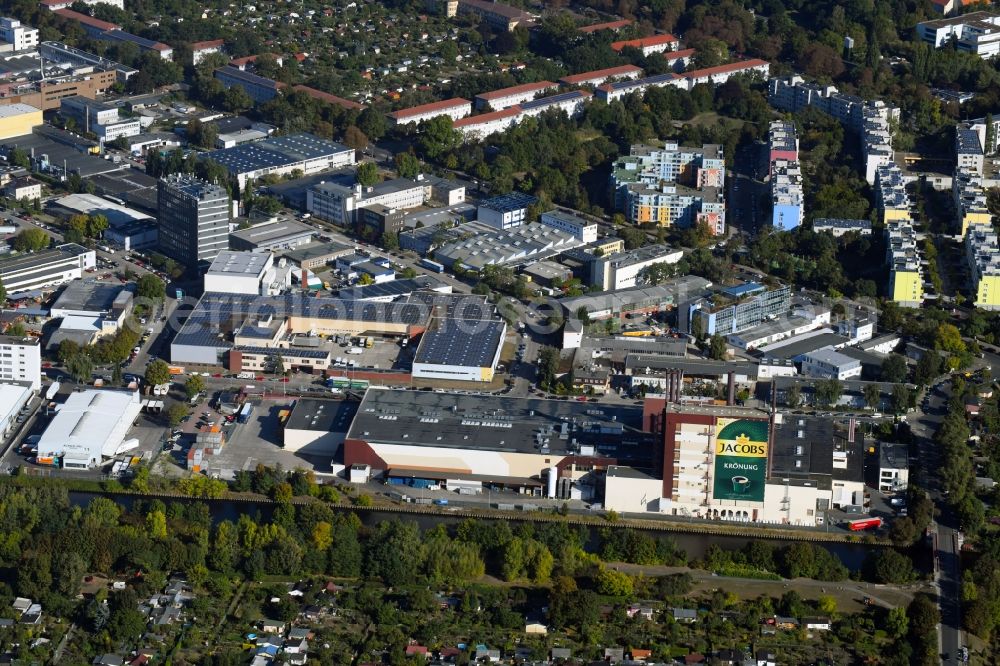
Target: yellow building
{"points": [[905, 278], [18, 120], [906, 287], [983, 256], [988, 293], [975, 218], [608, 245], [895, 214]]}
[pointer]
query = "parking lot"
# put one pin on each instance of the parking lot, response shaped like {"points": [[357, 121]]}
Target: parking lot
{"points": [[257, 442], [384, 354]]}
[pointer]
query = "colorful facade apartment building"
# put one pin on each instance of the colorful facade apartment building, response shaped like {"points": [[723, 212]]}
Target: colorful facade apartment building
{"points": [[672, 185]]}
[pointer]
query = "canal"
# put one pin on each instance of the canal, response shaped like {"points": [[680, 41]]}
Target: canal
{"points": [[693, 543]]}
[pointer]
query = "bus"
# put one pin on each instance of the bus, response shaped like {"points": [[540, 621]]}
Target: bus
{"points": [[345, 383], [864, 524], [431, 265]]}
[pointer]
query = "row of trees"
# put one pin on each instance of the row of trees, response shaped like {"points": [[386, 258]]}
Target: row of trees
{"points": [[80, 228], [51, 545]]}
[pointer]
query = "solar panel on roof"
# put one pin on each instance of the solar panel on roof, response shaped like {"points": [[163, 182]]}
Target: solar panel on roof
{"points": [[303, 353], [554, 99], [468, 345]]}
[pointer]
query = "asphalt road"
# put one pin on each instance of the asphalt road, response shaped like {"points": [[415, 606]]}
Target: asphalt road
{"points": [[745, 191], [948, 574]]}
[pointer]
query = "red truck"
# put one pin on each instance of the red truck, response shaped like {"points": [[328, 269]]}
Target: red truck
{"points": [[864, 524]]}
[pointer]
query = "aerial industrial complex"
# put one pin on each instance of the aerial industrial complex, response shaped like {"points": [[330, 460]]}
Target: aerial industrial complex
{"points": [[526, 259]]}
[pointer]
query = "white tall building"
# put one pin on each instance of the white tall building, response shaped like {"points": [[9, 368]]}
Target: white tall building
{"points": [[339, 203], [21, 37], [238, 272], [583, 229], [21, 360], [977, 33]]}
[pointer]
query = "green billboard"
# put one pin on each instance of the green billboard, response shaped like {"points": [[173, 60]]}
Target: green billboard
{"points": [[740, 460]]}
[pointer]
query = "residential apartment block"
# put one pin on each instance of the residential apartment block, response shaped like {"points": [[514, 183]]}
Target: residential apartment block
{"points": [[684, 81], [672, 185], [839, 226], [787, 198], [201, 50], [988, 137], [785, 172], [876, 141], [969, 196], [983, 257], [893, 200], [977, 33], [496, 14], [649, 45], [258, 88], [483, 125], [782, 141], [969, 153], [506, 97], [599, 76], [905, 275], [870, 119], [455, 109]]}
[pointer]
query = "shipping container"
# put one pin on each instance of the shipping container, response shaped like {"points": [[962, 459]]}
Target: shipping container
{"points": [[245, 412]]}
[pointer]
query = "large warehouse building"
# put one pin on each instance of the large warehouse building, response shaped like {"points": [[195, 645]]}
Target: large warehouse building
{"points": [[709, 462], [18, 120], [13, 396], [734, 463], [89, 426], [281, 155], [224, 326], [472, 441], [45, 268], [318, 427], [271, 236]]}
